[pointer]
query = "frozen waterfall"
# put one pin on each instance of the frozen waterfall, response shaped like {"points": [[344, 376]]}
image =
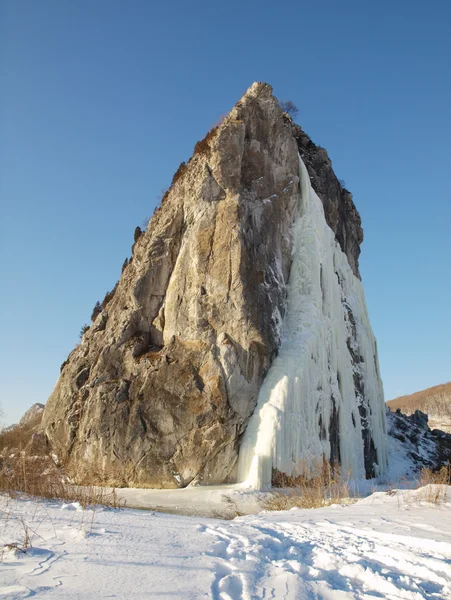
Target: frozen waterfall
{"points": [[322, 397]]}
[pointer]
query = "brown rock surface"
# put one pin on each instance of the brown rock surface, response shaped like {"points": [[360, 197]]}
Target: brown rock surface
{"points": [[164, 382], [435, 401]]}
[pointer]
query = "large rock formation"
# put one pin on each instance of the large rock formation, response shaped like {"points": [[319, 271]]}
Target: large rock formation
{"points": [[163, 383], [415, 444]]}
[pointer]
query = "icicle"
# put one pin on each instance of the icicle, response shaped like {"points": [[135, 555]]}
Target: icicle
{"points": [[323, 389]]}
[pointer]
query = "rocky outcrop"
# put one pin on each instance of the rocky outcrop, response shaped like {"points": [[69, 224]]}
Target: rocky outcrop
{"points": [[435, 401], [163, 383], [422, 447]]}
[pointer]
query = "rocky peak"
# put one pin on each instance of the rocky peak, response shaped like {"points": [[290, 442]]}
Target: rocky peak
{"points": [[163, 383]]}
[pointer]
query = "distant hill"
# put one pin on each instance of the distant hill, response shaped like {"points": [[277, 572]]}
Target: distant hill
{"points": [[435, 401]]}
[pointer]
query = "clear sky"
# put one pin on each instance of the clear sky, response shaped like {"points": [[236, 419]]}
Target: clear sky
{"points": [[100, 102]]}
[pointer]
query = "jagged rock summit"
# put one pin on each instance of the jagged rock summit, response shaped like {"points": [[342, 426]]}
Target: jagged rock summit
{"points": [[161, 388]]}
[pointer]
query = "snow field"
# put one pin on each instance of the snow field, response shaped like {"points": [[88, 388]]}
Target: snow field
{"points": [[389, 545]]}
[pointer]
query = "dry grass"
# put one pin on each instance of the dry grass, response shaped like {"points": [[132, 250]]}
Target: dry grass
{"points": [[21, 521], [20, 546], [321, 489], [436, 400], [37, 477], [24, 477], [179, 173], [203, 146], [435, 484], [431, 487], [439, 477], [109, 296], [18, 436]]}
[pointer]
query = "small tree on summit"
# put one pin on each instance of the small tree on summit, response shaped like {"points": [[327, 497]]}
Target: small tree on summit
{"points": [[289, 107]]}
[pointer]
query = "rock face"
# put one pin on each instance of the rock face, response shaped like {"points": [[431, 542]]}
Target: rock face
{"points": [[421, 446], [435, 401], [165, 380]]}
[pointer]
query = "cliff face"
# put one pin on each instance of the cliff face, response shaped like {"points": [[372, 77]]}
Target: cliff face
{"points": [[163, 383]]}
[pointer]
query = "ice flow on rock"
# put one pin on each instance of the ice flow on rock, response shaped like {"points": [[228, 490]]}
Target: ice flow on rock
{"points": [[322, 398]]}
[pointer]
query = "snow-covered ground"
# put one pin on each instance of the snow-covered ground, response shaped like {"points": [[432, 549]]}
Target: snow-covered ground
{"points": [[388, 545], [218, 501], [442, 422]]}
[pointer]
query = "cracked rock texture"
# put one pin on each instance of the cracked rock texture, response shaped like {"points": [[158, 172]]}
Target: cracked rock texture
{"points": [[163, 383]]}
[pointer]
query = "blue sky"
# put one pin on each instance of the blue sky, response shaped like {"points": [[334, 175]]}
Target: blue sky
{"points": [[101, 101]]}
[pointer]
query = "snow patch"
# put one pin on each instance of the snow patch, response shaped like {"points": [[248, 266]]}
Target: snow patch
{"points": [[380, 547]]}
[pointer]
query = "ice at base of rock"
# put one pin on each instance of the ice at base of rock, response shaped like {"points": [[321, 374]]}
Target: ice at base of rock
{"points": [[322, 398]]}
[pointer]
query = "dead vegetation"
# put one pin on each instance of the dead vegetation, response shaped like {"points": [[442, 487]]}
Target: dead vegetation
{"points": [[18, 436], [435, 400], [16, 534], [39, 478], [326, 486], [434, 484], [289, 107], [440, 476], [203, 146], [27, 467], [22, 542], [109, 296]]}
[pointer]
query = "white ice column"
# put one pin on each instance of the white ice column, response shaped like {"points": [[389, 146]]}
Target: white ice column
{"points": [[323, 390]]}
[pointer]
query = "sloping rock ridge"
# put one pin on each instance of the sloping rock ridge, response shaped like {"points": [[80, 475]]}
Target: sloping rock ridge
{"points": [[162, 385], [435, 401]]}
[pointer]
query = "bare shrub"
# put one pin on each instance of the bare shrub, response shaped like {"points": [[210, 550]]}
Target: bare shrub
{"points": [[203, 146], [321, 489], [83, 330], [138, 233], [21, 546], [179, 173], [125, 264], [96, 311], [18, 436], [435, 484], [145, 223], [109, 296], [289, 107], [432, 486], [440, 476], [164, 193], [36, 477]]}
